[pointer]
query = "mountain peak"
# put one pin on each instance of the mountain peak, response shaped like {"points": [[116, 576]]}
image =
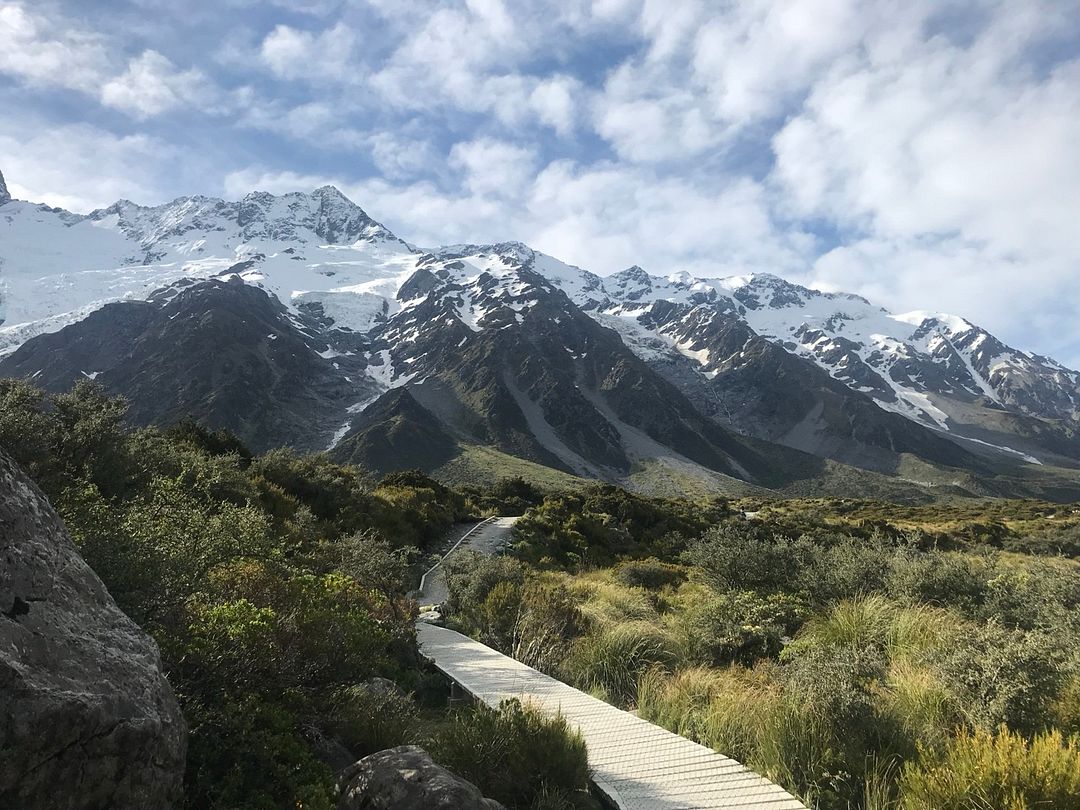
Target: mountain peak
{"points": [[333, 192], [4, 195]]}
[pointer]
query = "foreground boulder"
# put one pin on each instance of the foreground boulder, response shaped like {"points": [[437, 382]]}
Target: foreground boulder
{"points": [[406, 778], [87, 720]]}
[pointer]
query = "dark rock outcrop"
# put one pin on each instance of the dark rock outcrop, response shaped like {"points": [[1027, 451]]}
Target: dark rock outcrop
{"points": [[87, 719], [222, 352], [406, 778], [396, 433], [4, 195]]}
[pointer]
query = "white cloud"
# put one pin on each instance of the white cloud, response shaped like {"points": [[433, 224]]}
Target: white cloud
{"points": [[752, 60], [471, 58], [292, 53], [152, 85], [950, 169], [401, 157], [492, 167], [45, 51], [81, 167], [646, 120], [42, 52], [555, 101], [319, 123]]}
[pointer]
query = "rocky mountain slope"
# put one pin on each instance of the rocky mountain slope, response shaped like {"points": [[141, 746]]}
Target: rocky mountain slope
{"points": [[286, 317]]}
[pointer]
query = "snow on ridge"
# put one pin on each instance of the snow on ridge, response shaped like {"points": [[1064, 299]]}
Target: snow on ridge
{"points": [[954, 323]]}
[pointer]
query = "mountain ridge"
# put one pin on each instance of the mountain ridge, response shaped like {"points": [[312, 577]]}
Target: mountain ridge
{"points": [[495, 342]]}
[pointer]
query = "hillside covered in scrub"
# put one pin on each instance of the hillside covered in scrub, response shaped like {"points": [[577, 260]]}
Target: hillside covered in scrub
{"points": [[275, 587], [862, 654], [872, 656]]}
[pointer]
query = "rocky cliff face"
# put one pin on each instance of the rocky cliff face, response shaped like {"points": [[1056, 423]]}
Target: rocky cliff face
{"points": [[87, 719], [4, 195]]}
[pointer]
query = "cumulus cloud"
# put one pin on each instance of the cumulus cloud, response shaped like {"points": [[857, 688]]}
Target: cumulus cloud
{"points": [[949, 169], [152, 85], [492, 167], [924, 156], [291, 53], [81, 167], [43, 52]]}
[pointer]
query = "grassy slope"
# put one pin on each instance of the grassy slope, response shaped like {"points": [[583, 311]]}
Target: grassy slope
{"points": [[478, 465]]}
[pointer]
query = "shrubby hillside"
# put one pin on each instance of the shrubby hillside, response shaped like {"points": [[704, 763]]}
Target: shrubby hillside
{"points": [[275, 586], [862, 655]]}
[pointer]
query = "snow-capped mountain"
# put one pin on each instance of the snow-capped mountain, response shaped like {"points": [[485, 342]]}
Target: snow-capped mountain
{"points": [[903, 361], [317, 248], [507, 347], [937, 369]]}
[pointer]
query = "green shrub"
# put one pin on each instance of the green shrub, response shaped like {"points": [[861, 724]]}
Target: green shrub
{"points": [[738, 555], [517, 755], [249, 754], [844, 567], [737, 627], [603, 523], [1002, 771], [1065, 710], [470, 579], [937, 578], [1004, 676]]}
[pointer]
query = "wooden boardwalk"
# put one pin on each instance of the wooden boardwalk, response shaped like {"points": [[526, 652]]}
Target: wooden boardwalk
{"points": [[636, 765]]}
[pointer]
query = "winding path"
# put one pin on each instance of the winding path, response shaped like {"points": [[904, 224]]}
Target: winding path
{"points": [[635, 764]]}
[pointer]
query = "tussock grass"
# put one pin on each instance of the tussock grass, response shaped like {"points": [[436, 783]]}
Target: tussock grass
{"points": [[610, 662], [919, 705], [862, 622], [605, 603], [901, 631]]}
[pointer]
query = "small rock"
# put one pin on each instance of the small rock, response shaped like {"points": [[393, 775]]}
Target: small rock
{"points": [[383, 687], [406, 778]]}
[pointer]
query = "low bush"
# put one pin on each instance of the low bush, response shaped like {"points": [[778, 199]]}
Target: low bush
{"points": [[517, 755], [736, 627], [1004, 675], [372, 717], [738, 555], [1001, 770], [471, 576]]}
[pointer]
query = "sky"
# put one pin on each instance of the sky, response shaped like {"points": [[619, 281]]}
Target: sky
{"points": [[924, 154]]}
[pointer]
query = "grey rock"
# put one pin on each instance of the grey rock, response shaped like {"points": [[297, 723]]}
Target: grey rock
{"points": [[383, 687], [406, 778], [4, 195], [87, 719]]}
